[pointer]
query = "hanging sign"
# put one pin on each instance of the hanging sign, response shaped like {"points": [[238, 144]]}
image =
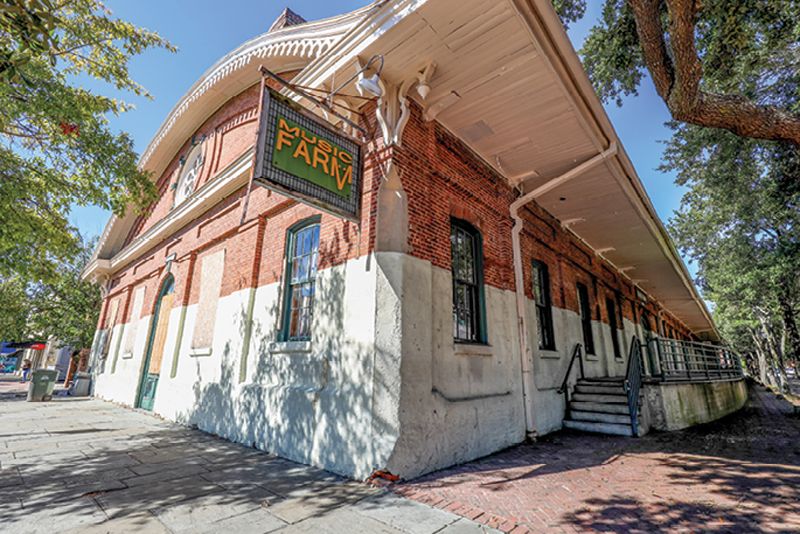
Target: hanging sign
{"points": [[300, 157]]}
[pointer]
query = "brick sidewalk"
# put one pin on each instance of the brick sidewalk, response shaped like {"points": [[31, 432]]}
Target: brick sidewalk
{"points": [[740, 474]]}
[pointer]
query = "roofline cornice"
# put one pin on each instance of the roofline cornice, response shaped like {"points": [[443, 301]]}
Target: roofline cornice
{"points": [[560, 53], [309, 40]]}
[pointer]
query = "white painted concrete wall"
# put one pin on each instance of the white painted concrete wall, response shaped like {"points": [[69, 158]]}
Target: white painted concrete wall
{"points": [[381, 385], [457, 402], [674, 406], [310, 402]]}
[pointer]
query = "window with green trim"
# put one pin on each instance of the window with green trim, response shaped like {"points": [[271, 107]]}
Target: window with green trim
{"points": [[586, 318], [469, 321], [611, 309], [301, 273], [544, 310]]}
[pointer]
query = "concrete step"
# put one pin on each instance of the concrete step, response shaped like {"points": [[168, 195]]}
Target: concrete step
{"points": [[616, 398], [578, 415], [599, 428], [604, 389], [602, 380], [599, 407]]}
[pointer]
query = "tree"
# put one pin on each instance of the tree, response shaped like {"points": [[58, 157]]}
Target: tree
{"points": [[740, 220], [14, 309], [56, 146], [66, 306], [715, 63]]}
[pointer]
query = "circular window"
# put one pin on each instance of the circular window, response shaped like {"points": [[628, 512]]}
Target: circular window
{"points": [[189, 174]]}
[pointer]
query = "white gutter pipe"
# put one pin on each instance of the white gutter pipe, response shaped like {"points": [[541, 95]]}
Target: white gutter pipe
{"points": [[525, 353]]}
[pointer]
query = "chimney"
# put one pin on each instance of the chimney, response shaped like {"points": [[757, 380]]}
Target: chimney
{"points": [[285, 19]]}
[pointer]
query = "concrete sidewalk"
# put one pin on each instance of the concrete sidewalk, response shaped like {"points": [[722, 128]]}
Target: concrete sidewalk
{"points": [[88, 466]]}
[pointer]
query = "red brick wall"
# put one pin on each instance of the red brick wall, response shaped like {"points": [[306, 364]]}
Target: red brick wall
{"points": [[443, 178], [250, 259]]}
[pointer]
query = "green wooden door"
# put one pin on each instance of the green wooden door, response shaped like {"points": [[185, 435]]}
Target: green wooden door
{"points": [[148, 391], [155, 347]]}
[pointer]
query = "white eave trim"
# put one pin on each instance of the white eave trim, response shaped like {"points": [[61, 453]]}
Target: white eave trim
{"points": [[577, 80], [309, 40], [383, 17], [228, 181]]}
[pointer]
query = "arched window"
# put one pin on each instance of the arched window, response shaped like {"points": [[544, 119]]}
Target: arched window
{"points": [[466, 248], [302, 249], [190, 171]]}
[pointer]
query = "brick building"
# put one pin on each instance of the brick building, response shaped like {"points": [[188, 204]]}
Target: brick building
{"points": [[501, 226]]}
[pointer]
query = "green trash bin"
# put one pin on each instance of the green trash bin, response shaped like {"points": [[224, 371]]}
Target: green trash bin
{"points": [[41, 386]]}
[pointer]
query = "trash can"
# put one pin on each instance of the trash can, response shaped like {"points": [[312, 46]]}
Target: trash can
{"points": [[41, 385], [80, 385]]}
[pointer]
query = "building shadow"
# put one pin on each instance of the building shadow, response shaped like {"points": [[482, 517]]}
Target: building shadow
{"points": [[741, 474]]}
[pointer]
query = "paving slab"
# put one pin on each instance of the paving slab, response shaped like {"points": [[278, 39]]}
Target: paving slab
{"points": [[403, 514], [342, 520], [141, 523], [88, 466], [253, 522], [197, 514]]}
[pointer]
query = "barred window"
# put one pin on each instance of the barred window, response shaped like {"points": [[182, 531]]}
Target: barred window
{"points": [[611, 308], [467, 268], [301, 274], [544, 309], [586, 318]]}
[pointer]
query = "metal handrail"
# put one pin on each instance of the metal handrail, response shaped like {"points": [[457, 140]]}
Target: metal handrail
{"points": [[696, 361], [633, 382], [576, 354]]}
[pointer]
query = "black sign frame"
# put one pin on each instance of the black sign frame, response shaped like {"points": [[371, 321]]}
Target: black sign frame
{"points": [[268, 175]]}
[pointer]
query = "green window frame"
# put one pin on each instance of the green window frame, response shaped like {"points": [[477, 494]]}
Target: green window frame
{"points": [[469, 309], [586, 317], [302, 256], [544, 307], [611, 309]]}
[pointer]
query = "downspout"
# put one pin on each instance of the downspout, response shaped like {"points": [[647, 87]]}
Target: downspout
{"points": [[525, 354]]}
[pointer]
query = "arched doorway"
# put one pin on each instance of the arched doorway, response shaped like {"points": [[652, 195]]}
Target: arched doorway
{"points": [[154, 354]]}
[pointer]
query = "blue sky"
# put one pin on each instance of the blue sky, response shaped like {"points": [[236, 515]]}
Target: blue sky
{"points": [[205, 30]]}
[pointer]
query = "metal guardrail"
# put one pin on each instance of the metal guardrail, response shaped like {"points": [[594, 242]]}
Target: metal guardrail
{"points": [[633, 382], [577, 354], [693, 361]]}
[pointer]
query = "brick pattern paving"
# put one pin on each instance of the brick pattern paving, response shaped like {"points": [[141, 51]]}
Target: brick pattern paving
{"points": [[739, 474]]}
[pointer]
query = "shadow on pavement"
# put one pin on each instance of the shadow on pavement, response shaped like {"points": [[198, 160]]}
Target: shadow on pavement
{"points": [[738, 474]]}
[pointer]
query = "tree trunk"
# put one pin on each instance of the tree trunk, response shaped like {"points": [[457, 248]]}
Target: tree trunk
{"points": [[761, 357], [789, 324]]}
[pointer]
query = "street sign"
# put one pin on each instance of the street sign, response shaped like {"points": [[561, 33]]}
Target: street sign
{"points": [[301, 157]]}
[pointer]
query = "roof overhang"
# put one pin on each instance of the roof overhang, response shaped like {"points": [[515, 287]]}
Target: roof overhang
{"points": [[287, 49], [509, 84]]}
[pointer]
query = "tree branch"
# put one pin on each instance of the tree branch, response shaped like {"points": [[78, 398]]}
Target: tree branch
{"points": [[677, 76], [651, 38]]}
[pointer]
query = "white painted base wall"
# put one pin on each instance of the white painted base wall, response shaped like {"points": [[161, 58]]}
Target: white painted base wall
{"points": [[381, 385]]}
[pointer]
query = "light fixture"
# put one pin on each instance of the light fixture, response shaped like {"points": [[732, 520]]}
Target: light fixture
{"points": [[369, 84], [423, 80], [424, 90]]}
